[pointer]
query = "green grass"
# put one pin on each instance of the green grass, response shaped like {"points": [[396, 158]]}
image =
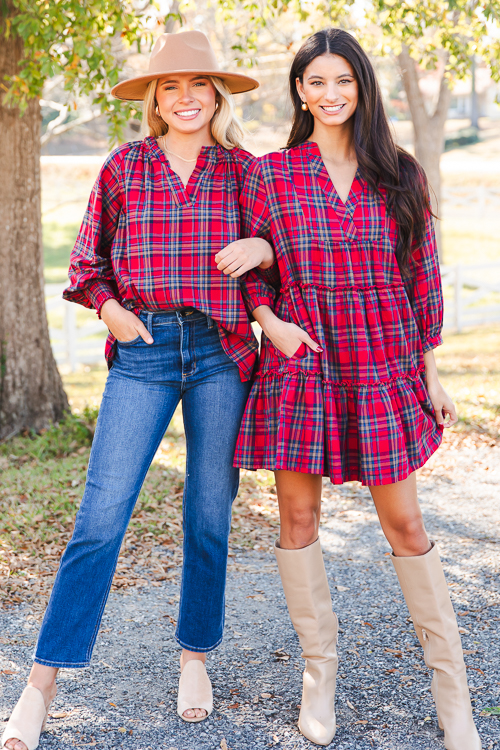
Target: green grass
{"points": [[58, 241], [469, 242], [469, 369]]}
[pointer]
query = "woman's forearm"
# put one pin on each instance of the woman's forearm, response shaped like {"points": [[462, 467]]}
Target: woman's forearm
{"points": [[269, 256], [431, 373], [264, 317]]}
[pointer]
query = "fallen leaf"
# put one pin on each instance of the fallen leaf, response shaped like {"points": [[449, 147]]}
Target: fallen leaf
{"points": [[351, 706], [463, 631], [368, 623], [223, 744], [427, 718], [476, 669], [112, 704], [266, 695], [388, 671], [394, 651], [58, 714], [8, 671], [493, 711], [468, 651], [406, 678], [122, 730], [361, 721], [342, 588], [281, 654], [234, 705]]}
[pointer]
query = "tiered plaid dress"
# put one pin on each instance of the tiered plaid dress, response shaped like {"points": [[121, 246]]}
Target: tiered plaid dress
{"points": [[360, 409]]}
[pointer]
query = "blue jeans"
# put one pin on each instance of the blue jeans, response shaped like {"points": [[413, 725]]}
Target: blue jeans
{"points": [[144, 386]]}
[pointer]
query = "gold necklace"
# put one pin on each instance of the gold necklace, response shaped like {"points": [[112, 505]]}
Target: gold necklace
{"points": [[173, 153]]}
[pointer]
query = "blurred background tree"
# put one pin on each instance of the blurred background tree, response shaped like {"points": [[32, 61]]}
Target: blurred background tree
{"points": [[80, 45], [447, 37]]}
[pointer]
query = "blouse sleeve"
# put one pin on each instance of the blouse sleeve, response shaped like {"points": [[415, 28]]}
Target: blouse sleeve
{"points": [[425, 290], [258, 286], [91, 275]]}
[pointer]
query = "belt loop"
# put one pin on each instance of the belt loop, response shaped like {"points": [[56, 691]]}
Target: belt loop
{"points": [[210, 322], [149, 323]]}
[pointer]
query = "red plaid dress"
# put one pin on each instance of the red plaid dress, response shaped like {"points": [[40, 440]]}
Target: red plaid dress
{"points": [[360, 409], [149, 242]]}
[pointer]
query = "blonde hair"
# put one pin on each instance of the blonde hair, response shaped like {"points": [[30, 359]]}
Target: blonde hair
{"points": [[226, 127]]}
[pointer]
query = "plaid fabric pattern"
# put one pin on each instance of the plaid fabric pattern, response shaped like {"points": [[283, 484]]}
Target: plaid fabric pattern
{"points": [[149, 242], [360, 409]]}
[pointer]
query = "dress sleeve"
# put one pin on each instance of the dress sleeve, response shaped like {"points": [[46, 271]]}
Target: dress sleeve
{"points": [[258, 286], [425, 290], [91, 275]]}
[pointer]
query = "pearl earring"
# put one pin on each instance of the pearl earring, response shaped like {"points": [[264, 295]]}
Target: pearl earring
{"points": [[304, 106]]}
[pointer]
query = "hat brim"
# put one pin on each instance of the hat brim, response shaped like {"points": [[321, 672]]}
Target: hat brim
{"points": [[134, 89]]}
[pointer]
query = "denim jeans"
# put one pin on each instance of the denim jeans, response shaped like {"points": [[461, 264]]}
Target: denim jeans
{"points": [[144, 386]]}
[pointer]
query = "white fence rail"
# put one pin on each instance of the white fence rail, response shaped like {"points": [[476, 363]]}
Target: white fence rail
{"points": [[73, 344], [475, 295], [472, 298]]}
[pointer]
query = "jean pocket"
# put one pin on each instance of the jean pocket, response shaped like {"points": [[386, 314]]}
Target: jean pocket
{"points": [[129, 343]]}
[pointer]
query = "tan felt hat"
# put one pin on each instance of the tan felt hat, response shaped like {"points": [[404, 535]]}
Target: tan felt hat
{"points": [[184, 52]]}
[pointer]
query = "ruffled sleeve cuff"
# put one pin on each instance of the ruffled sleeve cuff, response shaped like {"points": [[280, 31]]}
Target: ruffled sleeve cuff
{"points": [[432, 342], [94, 295]]}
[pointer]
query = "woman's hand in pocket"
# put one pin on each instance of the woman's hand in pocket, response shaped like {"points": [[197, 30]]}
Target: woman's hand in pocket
{"points": [[287, 337], [123, 324]]}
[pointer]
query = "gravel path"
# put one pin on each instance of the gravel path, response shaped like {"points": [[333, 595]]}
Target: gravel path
{"points": [[127, 698]]}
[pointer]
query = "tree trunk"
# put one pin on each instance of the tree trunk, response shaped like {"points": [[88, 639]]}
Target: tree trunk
{"points": [[31, 391], [428, 129]]}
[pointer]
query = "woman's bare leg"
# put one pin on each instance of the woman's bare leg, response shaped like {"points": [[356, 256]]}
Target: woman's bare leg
{"points": [[299, 498], [401, 518]]}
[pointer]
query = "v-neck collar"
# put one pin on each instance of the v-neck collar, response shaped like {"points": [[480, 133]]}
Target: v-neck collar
{"points": [[207, 159], [313, 154]]}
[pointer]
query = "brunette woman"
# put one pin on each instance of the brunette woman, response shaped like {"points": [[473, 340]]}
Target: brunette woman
{"points": [[145, 260], [347, 384]]}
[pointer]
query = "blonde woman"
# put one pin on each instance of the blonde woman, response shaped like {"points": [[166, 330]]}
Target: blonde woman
{"points": [[145, 259]]}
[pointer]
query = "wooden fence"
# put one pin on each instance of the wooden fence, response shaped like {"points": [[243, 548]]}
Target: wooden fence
{"points": [[471, 293], [72, 344]]}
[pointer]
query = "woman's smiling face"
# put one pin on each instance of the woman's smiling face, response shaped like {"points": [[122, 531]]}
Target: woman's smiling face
{"points": [[330, 89], [186, 102]]}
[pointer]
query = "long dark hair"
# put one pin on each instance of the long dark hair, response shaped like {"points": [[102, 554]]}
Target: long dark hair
{"points": [[382, 163]]}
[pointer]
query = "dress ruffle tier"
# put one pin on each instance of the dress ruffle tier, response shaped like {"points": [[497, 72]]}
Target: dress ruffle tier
{"points": [[359, 410]]}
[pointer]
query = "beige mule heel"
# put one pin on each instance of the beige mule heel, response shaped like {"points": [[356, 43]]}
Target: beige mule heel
{"points": [[195, 690], [424, 587], [28, 719], [309, 603]]}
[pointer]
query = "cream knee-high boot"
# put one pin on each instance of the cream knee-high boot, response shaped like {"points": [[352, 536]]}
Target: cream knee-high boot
{"points": [[309, 603], [424, 587]]}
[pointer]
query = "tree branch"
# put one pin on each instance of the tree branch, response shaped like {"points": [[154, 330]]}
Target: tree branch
{"points": [[87, 117], [409, 74]]}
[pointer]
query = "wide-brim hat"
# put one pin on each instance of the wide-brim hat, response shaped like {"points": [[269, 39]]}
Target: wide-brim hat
{"points": [[185, 52]]}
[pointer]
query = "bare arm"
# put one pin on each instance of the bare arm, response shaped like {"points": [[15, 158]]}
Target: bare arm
{"points": [[442, 403], [287, 337]]}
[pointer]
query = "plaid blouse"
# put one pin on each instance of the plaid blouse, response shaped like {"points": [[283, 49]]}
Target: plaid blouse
{"points": [[149, 242], [360, 409]]}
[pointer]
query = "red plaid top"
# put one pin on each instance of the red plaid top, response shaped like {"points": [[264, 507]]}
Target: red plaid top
{"points": [[149, 242]]}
